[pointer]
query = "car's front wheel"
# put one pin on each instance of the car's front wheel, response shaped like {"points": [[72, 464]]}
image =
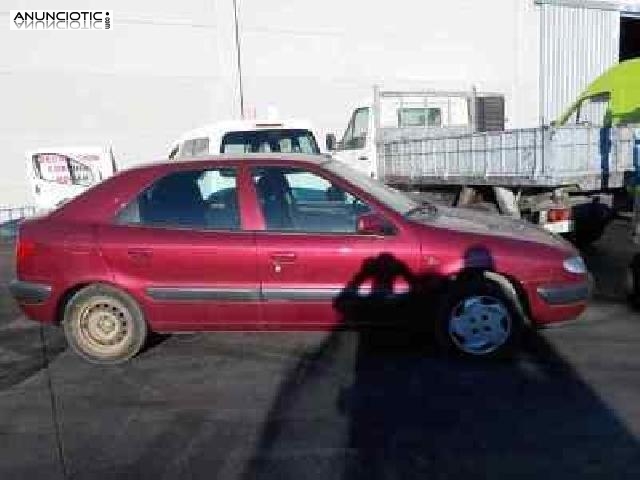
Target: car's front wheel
{"points": [[479, 318], [104, 325]]}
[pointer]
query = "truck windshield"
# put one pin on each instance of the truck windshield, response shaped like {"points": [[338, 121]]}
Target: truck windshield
{"points": [[392, 198], [264, 141]]}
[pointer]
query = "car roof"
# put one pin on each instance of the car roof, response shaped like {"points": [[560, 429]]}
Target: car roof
{"points": [[249, 158], [219, 128]]}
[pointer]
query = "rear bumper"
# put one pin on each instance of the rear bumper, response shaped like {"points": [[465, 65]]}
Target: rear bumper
{"points": [[29, 292]]}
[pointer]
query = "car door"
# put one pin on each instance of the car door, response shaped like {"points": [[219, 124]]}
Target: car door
{"points": [[310, 255], [180, 248], [357, 147]]}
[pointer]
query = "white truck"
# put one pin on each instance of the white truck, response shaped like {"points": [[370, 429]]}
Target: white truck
{"points": [[246, 136], [452, 147], [57, 174]]}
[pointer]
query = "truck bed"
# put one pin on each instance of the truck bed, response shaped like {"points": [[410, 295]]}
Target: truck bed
{"points": [[590, 158]]}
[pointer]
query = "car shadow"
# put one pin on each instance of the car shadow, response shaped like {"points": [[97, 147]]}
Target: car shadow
{"points": [[388, 406]]}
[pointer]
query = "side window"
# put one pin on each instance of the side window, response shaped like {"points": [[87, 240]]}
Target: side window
{"points": [[420, 117], [80, 173], [591, 111], [56, 168], [196, 147], [356, 134], [204, 199], [301, 201]]}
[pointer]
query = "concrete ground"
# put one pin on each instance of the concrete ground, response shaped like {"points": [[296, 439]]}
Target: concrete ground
{"points": [[328, 406]]}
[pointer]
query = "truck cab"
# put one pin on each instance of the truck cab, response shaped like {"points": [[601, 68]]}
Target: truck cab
{"points": [[57, 174], [432, 113], [245, 136], [611, 100]]}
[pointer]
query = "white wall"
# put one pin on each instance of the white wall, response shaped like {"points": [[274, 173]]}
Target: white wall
{"points": [[318, 59], [168, 66], [160, 71]]}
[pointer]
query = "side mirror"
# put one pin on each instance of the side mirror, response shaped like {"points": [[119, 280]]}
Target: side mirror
{"points": [[331, 142], [373, 224]]}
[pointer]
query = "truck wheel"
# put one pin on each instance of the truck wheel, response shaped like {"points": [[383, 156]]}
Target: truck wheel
{"points": [[104, 325], [632, 281], [590, 221], [479, 319], [585, 236]]}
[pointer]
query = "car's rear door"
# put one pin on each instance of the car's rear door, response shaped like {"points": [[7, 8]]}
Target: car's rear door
{"points": [[310, 255], [181, 249]]}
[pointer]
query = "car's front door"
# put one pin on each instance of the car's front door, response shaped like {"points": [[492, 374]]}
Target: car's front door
{"points": [[180, 248], [310, 255]]}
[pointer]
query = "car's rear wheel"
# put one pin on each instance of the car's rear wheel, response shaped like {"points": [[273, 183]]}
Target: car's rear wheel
{"points": [[479, 318], [104, 325]]}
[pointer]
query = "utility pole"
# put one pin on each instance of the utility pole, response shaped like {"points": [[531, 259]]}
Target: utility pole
{"points": [[235, 16]]}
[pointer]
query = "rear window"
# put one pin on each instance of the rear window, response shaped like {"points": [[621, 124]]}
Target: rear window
{"points": [[56, 168], [196, 147], [265, 141]]}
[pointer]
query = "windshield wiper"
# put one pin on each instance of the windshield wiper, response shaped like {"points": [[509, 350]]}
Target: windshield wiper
{"points": [[425, 208]]}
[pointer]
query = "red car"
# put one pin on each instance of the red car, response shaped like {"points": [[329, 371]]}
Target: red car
{"points": [[284, 243]]}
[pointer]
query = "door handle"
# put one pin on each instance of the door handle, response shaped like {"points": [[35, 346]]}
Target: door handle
{"points": [[139, 255], [284, 257]]}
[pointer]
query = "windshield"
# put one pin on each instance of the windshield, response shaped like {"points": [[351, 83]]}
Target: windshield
{"points": [[265, 141], [390, 197]]}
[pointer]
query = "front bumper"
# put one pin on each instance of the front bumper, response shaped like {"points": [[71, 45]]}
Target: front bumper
{"points": [[29, 292], [558, 302], [565, 294]]}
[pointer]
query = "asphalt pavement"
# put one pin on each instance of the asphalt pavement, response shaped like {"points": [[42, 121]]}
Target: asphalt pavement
{"points": [[329, 405]]}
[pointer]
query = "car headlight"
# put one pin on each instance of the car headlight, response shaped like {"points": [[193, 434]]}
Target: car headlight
{"points": [[575, 265]]}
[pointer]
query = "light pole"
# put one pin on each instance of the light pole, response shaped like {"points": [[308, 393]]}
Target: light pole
{"points": [[235, 17]]}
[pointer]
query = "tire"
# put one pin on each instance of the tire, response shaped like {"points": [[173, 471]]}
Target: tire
{"points": [[479, 319], [632, 281], [104, 325]]}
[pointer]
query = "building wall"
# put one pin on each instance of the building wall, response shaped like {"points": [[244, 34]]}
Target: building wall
{"points": [[162, 69], [578, 45], [169, 66]]}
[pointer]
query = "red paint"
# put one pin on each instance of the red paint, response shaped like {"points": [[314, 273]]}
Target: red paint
{"points": [[80, 244]]}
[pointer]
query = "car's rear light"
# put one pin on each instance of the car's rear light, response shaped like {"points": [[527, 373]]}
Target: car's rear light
{"points": [[558, 214], [24, 249]]}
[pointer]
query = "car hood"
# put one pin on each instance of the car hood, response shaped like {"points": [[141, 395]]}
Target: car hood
{"points": [[472, 221]]}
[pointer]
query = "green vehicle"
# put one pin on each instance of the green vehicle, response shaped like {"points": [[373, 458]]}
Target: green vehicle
{"points": [[612, 100]]}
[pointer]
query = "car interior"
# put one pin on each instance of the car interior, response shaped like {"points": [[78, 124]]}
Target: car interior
{"points": [[310, 207]]}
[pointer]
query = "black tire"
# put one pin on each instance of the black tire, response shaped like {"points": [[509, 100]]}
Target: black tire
{"points": [[632, 281], [480, 294], [104, 325]]}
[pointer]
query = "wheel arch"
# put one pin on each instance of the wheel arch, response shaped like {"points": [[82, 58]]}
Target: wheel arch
{"points": [[64, 298], [510, 285]]}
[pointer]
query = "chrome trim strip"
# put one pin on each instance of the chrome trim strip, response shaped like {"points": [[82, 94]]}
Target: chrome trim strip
{"points": [[204, 293], [300, 294]]}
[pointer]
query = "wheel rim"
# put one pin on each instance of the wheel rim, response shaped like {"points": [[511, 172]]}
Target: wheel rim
{"points": [[104, 327], [479, 325]]}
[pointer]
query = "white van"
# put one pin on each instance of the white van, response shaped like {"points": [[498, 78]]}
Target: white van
{"points": [[58, 174], [246, 136]]}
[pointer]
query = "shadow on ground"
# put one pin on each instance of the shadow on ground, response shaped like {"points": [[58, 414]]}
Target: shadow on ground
{"points": [[407, 413]]}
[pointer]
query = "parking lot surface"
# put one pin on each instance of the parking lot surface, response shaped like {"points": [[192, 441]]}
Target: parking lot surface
{"points": [[329, 405]]}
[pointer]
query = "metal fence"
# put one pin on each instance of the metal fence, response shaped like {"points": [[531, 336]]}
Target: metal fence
{"points": [[583, 156], [14, 213]]}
